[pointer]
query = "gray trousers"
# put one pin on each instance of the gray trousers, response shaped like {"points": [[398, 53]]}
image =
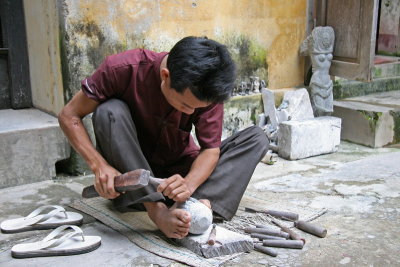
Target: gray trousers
{"points": [[118, 143]]}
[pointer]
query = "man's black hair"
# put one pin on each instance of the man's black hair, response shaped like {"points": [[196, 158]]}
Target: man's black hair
{"points": [[204, 66]]}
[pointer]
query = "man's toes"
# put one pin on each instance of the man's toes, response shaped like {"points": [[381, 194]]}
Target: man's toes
{"points": [[180, 223], [183, 234], [183, 229], [182, 215], [174, 235]]}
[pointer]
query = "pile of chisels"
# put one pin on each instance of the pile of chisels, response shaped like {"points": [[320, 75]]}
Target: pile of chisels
{"points": [[281, 237]]}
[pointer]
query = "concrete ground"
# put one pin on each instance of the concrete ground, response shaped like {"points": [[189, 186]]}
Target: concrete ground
{"points": [[359, 186]]}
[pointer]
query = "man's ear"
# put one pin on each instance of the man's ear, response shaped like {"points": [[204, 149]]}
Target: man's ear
{"points": [[164, 74]]}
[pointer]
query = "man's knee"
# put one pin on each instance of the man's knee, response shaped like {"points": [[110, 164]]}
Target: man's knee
{"points": [[109, 110], [259, 137]]}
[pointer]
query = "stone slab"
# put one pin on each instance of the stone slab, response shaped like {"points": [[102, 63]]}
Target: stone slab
{"points": [[307, 138], [299, 105], [269, 107], [366, 124], [345, 88], [387, 70], [228, 243], [31, 142], [388, 99]]}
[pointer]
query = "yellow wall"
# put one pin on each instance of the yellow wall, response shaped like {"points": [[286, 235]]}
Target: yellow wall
{"points": [[44, 54], [108, 26]]}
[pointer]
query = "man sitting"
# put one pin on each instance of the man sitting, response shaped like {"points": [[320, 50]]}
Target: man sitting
{"points": [[145, 105]]}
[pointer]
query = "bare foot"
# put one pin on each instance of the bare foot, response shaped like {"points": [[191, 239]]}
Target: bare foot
{"points": [[206, 202], [173, 222]]}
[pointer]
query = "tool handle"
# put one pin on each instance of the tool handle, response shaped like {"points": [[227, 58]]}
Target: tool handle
{"points": [[266, 231], [283, 243], [155, 181], [213, 235], [262, 236], [265, 250], [291, 233], [285, 215], [90, 191], [310, 228]]}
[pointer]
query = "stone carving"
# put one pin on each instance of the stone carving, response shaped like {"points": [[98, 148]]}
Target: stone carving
{"points": [[255, 85], [295, 106], [201, 215], [292, 130], [248, 86], [319, 46]]}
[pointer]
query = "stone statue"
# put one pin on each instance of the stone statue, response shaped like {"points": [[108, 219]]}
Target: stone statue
{"points": [[319, 46], [256, 85], [263, 84], [243, 88], [251, 85], [201, 215]]}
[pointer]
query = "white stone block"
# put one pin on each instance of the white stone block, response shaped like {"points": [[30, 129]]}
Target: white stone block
{"points": [[366, 124], [299, 105], [307, 138], [269, 107]]}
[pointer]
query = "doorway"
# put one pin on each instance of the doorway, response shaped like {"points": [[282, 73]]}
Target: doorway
{"points": [[5, 101], [388, 33], [15, 88]]}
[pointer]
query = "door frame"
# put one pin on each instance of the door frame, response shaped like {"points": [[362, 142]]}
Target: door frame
{"points": [[362, 70], [15, 45]]}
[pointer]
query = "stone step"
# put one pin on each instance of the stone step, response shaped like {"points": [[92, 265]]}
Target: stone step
{"points": [[31, 142], [387, 70], [344, 88], [371, 120]]}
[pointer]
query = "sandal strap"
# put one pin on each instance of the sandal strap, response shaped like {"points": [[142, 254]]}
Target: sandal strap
{"points": [[51, 241], [33, 216], [60, 229]]}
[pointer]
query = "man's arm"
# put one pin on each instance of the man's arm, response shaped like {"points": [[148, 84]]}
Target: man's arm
{"points": [[70, 119], [180, 189]]}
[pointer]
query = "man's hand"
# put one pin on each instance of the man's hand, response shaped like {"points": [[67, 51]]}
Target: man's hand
{"points": [[104, 182], [176, 188]]}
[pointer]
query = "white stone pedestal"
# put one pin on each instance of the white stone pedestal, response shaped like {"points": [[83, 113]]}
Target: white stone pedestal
{"points": [[307, 138]]}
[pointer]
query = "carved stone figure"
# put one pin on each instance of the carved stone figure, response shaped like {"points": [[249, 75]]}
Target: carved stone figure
{"points": [[256, 85], [201, 215], [251, 85], [248, 85], [295, 106], [263, 84], [319, 46], [243, 88]]}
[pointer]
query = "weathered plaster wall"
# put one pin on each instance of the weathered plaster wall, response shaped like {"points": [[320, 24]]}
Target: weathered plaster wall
{"points": [[263, 35], [41, 18]]}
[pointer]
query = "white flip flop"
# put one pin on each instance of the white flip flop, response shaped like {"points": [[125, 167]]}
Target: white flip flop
{"points": [[70, 243], [38, 221]]}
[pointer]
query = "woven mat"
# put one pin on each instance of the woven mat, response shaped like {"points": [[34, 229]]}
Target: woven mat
{"points": [[138, 228]]}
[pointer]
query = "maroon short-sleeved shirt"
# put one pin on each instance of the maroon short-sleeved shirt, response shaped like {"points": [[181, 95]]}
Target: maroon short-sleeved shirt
{"points": [[163, 132]]}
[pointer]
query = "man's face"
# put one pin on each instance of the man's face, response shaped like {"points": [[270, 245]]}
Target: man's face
{"points": [[184, 102]]}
